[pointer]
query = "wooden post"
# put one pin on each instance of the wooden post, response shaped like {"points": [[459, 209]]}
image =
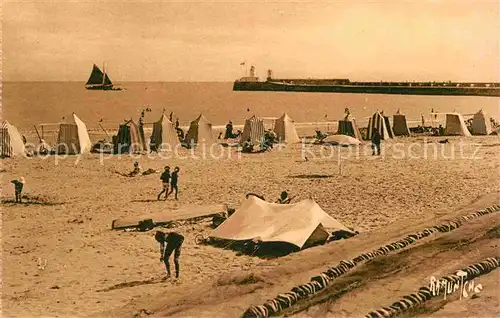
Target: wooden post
{"points": [[340, 161], [39, 138]]}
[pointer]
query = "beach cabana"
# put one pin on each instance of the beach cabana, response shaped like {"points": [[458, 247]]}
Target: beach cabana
{"points": [[400, 126], [300, 225], [455, 125], [129, 139], [284, 128], [253, 130], [381, 124], [12, 144], [73, 137], [348, 127], [481, 124], [200, 131], [164, 134]]}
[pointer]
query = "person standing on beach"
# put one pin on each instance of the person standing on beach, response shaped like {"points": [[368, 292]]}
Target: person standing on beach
{"points": [[229, 130], [18, 189], [173, 182], [165, 178], [375, 142], [170, 242]]}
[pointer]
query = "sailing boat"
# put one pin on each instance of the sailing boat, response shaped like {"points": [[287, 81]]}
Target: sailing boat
{"points": [[100, 81]]}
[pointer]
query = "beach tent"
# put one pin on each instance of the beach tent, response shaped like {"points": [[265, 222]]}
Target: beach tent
{"points": [[284, 128], [381, 124], [11, 141], [348, 127], [341, 140], [253, 130], [400, 127], [73, 137], [164, 134], [301, 224], [200, 131], [455, 125], [129, 139], [481, 124]]}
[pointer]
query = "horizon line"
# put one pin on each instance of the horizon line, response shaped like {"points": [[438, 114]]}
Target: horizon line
{"points": [[232, 81]]}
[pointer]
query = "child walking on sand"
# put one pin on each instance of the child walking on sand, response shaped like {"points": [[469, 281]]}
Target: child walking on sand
{"points": [[165, 178], [173, 182], [18, 188]]}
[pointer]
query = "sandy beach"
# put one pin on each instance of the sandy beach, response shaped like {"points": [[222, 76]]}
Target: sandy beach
{"points": [[61, 258]]}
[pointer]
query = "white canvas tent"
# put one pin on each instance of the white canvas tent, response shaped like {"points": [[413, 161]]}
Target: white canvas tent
{"points": [[200, 130], [455, 125], [253, 130], [400, 127], [299, 224], [12, 144], [164, 134], [481, 124], [381, 124], [284, 128], [73, 138]]}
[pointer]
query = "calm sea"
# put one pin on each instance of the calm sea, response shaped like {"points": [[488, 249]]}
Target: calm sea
{"points": [[27, 103]]}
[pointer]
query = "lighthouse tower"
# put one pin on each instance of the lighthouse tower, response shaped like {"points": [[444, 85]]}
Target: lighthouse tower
{"points": [[269, 75], [252, 71]]}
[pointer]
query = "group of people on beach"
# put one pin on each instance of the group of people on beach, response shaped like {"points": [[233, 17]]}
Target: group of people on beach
{"points": [[169, 181]]}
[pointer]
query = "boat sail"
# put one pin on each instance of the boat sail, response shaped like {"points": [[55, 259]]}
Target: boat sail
{"points": [[99, 80]]}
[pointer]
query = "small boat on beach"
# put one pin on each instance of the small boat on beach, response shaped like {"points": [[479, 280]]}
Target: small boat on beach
{"points": [[99, 80]]}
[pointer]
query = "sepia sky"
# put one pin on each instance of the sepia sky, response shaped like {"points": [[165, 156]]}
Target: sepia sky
{"points": [[207, 41]]}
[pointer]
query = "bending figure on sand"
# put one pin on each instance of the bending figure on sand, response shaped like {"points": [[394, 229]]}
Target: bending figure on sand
{"points": [[170, 242]]}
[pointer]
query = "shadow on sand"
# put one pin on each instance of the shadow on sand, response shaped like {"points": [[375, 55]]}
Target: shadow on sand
{"points": [[312, 176], [147, 200], [134, 283], [30, 201]]}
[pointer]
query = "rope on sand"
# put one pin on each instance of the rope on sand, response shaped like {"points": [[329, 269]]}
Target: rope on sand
{"points": [[283, 301], [445, 285]]}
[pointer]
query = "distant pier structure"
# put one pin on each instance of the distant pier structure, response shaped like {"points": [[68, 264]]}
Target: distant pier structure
{"points": [[344, 85]]}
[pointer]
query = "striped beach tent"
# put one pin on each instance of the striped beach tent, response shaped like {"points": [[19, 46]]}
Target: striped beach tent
{"points": [[164, 134], [11, 141], [73, 137], [400, 127], [128, 139], [200, 131], [348, 127], [455, 125], [284, 128], [253, 130], [381, 124]]}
